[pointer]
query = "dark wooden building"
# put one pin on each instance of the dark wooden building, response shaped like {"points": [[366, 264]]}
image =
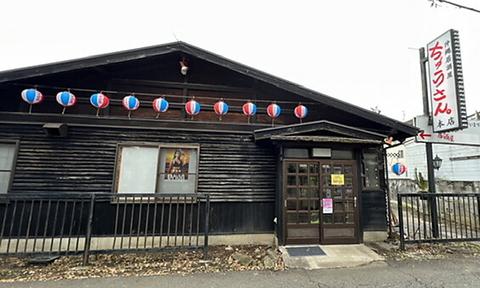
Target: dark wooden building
{"points": [[261, 178]]}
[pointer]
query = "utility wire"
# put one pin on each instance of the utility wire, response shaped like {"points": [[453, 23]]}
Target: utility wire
{"points": [[454, 4]]}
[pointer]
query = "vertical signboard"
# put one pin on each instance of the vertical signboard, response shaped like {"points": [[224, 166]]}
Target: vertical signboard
{"points": [[447, 98]]}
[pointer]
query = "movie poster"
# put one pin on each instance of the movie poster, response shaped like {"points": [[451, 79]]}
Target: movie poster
{"points": [[176, 164]]}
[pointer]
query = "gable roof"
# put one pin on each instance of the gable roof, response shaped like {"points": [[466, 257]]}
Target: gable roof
{"points": [[315, 126], [140, 53]]}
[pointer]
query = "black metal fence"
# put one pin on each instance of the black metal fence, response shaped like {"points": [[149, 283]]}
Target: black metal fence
{"points": [[438, 217], [75, 223]]}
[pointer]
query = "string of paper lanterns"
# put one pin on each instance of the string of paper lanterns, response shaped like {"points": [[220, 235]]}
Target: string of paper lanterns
{"points": [[131, 103]]}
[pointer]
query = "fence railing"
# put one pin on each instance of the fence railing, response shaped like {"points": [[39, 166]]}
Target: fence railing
{"points": [[438, 217], [75, 223]]}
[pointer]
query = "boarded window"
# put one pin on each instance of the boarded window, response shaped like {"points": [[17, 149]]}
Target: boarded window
{"points": [[157, 169], [7, 157], [296, 153]]}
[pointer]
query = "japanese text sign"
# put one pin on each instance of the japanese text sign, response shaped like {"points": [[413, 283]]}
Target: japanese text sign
{"points": [[447, 99], [327, 204], [338, 179]]}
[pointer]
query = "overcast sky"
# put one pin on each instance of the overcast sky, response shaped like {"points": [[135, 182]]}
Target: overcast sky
{"points": [[362, 52]]}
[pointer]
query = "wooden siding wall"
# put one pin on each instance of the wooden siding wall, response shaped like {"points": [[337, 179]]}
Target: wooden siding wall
{"points": [[231, 167]]}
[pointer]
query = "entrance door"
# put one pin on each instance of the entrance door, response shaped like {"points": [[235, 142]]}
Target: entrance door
{"points": [[302, 202], [308, 186], [339, 186]]}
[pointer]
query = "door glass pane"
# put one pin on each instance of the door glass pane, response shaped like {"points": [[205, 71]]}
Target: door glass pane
{"points": [[347, 169], [349, 192], [314, 204], [303, 218], [349, 206], [327, 218], [292, 204], [292, 217], [292, 180], [303, 204], [292, 168], [303, 192], [302, 168], [337, 193], [337, 170], [328, 193], [313, 168], [349, 218], [314, 217], [313, 181], [326, 169], [349, 181], [138, 169], [339, 218], [292, 192], [314, 192], [339, 207], [326, 180], [303, 180]]}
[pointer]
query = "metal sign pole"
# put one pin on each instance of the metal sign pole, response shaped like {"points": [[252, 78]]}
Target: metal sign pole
{"points": [[429, 148]]}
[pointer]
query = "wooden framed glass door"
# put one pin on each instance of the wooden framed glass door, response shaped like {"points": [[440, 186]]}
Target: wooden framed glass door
{"points": [[339, 186], [302, 202], [308, 186]]}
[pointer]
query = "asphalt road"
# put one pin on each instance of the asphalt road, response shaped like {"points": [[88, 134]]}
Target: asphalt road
{"points": [[453, 272]]}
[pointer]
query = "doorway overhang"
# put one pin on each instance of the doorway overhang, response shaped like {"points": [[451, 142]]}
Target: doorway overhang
{"points": [[319, 131]]}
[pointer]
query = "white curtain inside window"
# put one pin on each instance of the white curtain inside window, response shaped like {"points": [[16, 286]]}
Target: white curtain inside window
{"points": [[7, 154], [138, 169]]}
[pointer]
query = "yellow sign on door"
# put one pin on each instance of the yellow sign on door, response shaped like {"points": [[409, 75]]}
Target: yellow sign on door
{"points": [[338, 179]]}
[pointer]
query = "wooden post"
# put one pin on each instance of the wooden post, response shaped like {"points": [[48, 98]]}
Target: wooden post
{"points": [[88, 236], [428, 146]]}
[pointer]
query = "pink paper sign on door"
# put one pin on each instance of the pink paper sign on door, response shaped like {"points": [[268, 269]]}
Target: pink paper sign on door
{"points": [[327, 204]]}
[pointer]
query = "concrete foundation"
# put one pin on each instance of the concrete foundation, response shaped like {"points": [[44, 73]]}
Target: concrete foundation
{"points": [[118, 243]]}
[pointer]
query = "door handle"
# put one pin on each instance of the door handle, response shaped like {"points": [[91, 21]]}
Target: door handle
{"points": [[355, 202]]}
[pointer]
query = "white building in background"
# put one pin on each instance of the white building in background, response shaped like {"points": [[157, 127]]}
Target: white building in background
{"points": [[460, 162]]}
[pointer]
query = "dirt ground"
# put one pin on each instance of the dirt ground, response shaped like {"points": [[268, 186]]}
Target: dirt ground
{"points": [[221, 259]]}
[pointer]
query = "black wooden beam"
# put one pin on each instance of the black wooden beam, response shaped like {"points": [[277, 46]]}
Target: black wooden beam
{"points": [[122, 122], [182, 85]]}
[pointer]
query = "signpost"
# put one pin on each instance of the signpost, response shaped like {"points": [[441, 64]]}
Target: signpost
{"points": [[444, 108], [469, 136]]}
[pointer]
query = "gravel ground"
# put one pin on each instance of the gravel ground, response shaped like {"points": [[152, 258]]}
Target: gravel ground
{"points": [[221, 259], [426, 251]]}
